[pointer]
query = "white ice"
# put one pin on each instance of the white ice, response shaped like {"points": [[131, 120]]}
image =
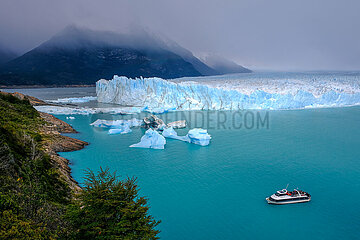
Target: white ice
{"points": [[117, 126], [171, 133], [177, 124], [120, 130], [74, 100], [159, 110], [157, 93], [116, 123], [58, 110], [196, 136], [151, 139], [199, 136]]}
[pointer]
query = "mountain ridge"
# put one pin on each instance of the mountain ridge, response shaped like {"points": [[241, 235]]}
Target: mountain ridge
{"points": [[80, 56]]}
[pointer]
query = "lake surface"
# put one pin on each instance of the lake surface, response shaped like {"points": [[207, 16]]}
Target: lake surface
{"points": [[219, 191]]}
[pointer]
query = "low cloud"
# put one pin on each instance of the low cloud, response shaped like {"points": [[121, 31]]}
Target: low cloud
{"points": [[279, 34]]}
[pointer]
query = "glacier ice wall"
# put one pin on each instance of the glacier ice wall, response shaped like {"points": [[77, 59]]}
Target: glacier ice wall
{"points": [[157, 93]]}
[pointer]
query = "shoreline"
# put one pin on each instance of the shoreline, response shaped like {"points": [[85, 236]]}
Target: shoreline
{"points": [[45, 86], [53, 141]]}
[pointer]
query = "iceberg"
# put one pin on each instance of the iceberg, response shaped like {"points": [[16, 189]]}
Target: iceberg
{"points": [[117, 126], [151, 139], [233, 94], [121, 130], [171, 133], [199, 136], [117, 123], [196, 136], [177, 124]]}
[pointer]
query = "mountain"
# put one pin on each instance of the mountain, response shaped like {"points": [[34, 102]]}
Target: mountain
{"points": [[83, 56], [224, 66], [186, 55], [6, 55]]}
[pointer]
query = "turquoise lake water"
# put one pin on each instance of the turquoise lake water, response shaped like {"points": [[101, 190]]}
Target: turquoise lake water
{"points": [[219, 191]]}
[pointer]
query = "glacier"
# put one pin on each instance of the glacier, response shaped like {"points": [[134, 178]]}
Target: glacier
{"points": [[196, 136], [151, 139], [187, 94]]}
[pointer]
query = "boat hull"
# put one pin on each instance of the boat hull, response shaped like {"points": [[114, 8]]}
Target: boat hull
{"points": [[287, 202]]}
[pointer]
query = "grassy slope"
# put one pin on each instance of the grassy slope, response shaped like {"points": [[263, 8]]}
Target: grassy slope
{"points": [[32, 195], [37, 203]]}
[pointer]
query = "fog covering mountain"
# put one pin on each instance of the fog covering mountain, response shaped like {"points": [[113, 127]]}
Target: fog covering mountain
{"points": [[78, 56], [223, 66], [6, 55]]}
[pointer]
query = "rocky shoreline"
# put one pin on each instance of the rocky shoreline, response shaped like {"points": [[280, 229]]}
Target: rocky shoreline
{"points": [[54, 141]]}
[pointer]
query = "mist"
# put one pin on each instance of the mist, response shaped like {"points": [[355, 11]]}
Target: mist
{"points": [[259, 34]]}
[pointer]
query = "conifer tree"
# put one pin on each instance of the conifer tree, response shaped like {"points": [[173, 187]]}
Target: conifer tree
{"points": [[108, 208]]}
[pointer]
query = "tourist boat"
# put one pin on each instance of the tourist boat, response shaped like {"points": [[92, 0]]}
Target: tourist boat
{"points": [[285, 197]]}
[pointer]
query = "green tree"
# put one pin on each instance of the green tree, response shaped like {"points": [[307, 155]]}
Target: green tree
{"points": [[108, 208]]}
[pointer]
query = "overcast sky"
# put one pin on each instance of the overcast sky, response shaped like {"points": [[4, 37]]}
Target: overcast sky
{"points": [[260, 34]]}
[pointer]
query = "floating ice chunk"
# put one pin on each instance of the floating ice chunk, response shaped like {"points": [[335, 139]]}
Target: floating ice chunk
{"points": [[72, 118], [151, 139], [103, 123], [177, 124], [199, 136], [121, 130], [74, 100], [196, 136], [170, 133], [117, 123]]}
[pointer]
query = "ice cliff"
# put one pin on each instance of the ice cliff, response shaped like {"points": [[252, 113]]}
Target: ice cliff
{"points": [[163, 95]]}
